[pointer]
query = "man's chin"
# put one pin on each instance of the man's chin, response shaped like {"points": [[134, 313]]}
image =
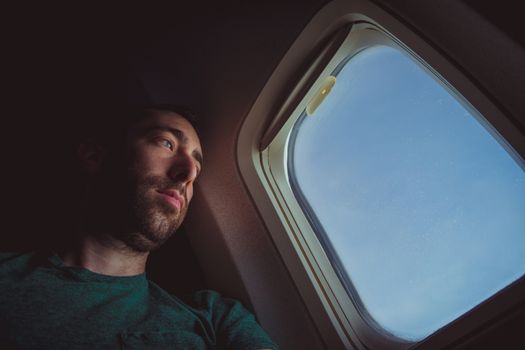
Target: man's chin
{"points": [[152, 221], [154, 230], [144, 243]]}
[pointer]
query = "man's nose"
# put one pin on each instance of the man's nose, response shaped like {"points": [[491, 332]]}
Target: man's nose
{"points": [[183, 168]]}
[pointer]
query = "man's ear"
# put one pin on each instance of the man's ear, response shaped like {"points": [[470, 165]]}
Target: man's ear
{"points": [[91, 155]]}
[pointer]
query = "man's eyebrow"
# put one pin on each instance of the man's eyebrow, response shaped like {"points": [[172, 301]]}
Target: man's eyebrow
{"points": [[179, 135]]}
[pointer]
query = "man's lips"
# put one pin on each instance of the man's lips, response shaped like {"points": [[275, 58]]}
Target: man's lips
{"points": [[173, 197]]}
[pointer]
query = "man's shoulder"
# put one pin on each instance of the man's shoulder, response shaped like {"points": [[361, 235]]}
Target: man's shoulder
{"points": [[199, 300], [204, 298], [219, 309], [209, 300], [6, 256], [233, 322], [13, 259], [13, 265], [206, 302]]}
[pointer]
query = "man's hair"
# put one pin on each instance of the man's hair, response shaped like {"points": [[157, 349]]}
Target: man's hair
{"points": [[111, 122], [140, 112]]}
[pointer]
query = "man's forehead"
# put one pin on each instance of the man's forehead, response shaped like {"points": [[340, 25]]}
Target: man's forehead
{"points": [[157, 119]]}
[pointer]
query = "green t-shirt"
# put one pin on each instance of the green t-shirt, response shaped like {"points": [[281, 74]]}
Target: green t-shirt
{"points": [[46, 305]]}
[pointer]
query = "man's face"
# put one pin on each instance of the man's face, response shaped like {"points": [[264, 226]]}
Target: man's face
{"points": [[161, 161]]}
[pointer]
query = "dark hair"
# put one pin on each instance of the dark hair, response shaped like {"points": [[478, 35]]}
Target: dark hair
{"points": [[110, 121], [183, 111]]}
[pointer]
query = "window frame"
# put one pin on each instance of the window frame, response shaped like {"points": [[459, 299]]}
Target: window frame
{"points": [[262, 151]]}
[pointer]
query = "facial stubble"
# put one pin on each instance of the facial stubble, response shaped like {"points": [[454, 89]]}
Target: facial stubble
{"points": [[151, 220]]}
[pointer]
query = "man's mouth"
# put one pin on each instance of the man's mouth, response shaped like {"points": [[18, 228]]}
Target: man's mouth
{"points": [[172, 197]]}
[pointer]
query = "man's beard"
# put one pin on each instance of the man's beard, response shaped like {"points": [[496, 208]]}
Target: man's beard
{"points": [[150, 220], [126, 204], [132, 210]]}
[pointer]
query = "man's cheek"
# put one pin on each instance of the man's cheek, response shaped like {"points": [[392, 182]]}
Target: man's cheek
{"points": [[189, 194]]}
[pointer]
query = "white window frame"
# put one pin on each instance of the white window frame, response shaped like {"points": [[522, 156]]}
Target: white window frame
{"points": [[262, 151]]}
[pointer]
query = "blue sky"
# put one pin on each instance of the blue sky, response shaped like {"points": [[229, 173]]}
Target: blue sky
{"points": [[425, 208]]}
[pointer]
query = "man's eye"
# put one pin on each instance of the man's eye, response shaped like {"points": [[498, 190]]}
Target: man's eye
{"points": [[167, 144]]}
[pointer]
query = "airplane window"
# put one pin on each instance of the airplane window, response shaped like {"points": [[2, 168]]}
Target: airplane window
{"points": [[418, 202]]}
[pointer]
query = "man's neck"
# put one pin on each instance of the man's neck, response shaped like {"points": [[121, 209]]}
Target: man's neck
{"points": [[105, 255]]}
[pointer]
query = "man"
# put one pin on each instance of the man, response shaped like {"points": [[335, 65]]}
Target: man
{"points": [[93, 293]]}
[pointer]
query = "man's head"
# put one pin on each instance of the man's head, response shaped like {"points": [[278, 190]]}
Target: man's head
{"points": [[141, 178]]}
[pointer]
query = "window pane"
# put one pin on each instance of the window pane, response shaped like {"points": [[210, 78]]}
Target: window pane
{"points": [[422, 208]]}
